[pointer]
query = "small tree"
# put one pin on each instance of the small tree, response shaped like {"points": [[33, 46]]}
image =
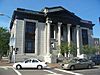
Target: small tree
{"points": [[65, 48], [88, 50], [4, 41], [73, 48]]}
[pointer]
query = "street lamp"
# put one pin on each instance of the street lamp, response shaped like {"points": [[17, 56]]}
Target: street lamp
{"points": [[1, 14]]}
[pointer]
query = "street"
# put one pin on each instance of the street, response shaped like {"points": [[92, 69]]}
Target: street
{"points": [[8, 70], [94, 71]]}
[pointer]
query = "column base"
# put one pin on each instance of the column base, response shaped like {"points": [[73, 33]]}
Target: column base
{"points": [[50, 58], [59, 54]]}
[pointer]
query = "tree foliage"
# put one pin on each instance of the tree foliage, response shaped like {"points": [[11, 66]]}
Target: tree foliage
{"points": [[65, 48], [88, 50], [73, 48], [4, 41]]}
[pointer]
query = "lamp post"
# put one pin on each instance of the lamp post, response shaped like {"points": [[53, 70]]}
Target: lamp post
{"points": [[1, 14], [12, 42]]}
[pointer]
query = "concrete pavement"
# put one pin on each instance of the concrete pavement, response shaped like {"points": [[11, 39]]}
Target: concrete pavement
{"points": [[5, 63]]}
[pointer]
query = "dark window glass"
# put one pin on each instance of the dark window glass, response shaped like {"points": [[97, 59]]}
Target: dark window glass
{"points": [[29, 46], [34, 61], [28, 61], [52, 31], [85, 37], [30, 37], [62, 30], [29, 27]]}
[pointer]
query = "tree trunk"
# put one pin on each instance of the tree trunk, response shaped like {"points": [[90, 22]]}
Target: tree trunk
{"points": [[0, 57]]}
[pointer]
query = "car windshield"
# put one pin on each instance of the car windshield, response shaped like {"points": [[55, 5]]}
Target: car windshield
{"points": [[73, 60], [40, 60], [27, 61]]}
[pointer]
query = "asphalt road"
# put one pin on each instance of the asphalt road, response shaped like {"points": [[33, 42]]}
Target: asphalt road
{"points": [[94, 71], [6, 70]]}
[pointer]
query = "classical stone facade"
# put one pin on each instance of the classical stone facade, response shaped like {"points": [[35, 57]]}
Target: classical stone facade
{"points": [[39, 33]]}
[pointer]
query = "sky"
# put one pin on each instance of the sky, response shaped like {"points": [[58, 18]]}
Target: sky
{"points": [[85, 9]]}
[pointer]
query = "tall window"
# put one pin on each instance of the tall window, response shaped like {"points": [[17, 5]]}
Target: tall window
{"points": [[30, 37], [85, 37]]}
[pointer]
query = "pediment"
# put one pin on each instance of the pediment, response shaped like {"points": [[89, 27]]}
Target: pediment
{"points": [[53, 9], [59, 11]]}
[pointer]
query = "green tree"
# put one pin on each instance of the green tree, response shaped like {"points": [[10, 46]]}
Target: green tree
{"points": [[65, 48], [73, 48], [88, 50], [4, 41]]}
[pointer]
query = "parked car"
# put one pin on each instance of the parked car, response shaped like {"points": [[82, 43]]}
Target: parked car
{"points": [[78, 63], [30, 63], [96, 59]]}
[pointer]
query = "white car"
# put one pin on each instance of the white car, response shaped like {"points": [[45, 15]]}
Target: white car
{"points": [[30, 63]]}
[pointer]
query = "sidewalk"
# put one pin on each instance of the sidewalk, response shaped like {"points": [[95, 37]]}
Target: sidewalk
{"points": [[5, 63], [54, 65]]}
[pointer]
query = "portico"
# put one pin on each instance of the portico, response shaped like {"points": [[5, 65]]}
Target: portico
{"points": [[65, 37]]}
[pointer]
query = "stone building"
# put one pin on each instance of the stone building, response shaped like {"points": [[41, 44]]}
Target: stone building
{"points": [[38, 33]]}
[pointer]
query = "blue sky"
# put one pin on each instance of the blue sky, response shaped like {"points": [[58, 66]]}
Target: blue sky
{"points": [[86, 9]]}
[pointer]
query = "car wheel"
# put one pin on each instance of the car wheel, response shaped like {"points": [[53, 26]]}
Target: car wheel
{"points": [[72, 67], [39, 67], [18, 67], [89, 66]]}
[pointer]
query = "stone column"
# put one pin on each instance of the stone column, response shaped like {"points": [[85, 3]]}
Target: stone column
{"points": [[54, 32], [78, 39], [68, 30], [48, 57], [69, 38], [48, 36], [59, 37], [59, 33]]}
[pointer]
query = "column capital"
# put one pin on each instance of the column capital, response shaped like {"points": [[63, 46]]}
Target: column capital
{"points": [[48, 21], [59, 23], [69, 24], [78, 26]]}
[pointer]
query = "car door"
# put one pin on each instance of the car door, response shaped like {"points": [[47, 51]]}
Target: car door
{"points": [[27, 63], [84, 63], [79, 64], [35, 63]]}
